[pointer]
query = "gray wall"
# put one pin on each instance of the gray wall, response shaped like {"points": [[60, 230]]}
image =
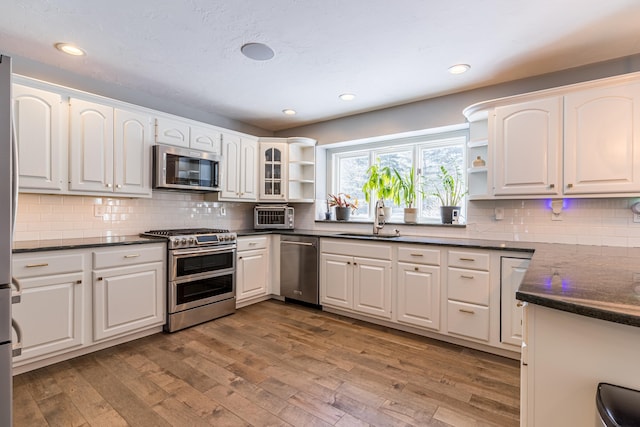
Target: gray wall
{"points": [[447, 110], [36, 70]]}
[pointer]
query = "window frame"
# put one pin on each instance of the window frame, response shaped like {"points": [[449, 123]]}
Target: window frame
{"points": [[390, 144]]}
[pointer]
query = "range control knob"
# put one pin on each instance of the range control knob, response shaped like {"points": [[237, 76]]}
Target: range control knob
{"points": [[191, 240], [233, 238], [183, 241]]}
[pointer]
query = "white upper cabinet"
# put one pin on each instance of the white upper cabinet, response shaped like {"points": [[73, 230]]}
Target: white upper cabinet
{"points": [[528, 140], [91, 146], [109, 150], [273, 171], [239, 156], [574, 141], [205, 139], [132, 148], [602, 140], [172, 132], [38, 128]]}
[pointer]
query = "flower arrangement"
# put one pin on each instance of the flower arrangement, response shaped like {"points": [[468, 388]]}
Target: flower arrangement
{"points": [[343, 200], [449, 188]]}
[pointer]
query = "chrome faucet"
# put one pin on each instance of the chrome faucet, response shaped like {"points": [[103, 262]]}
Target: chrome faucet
{"points": [[378, 217]]}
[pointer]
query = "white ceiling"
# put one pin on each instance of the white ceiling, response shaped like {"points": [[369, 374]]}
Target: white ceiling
{"points": [[386, 52]]}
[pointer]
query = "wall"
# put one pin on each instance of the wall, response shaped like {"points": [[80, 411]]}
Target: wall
{"points": [[62, 217]]}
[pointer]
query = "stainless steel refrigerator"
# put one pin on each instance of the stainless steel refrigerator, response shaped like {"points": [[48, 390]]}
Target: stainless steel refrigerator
{"points": [[8, 201]]}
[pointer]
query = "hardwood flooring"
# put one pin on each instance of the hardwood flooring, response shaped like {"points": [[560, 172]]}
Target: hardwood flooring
{"points": [[274, 364]]}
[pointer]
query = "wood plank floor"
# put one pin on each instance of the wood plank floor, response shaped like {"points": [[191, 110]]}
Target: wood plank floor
{"points": [[274, 364]]}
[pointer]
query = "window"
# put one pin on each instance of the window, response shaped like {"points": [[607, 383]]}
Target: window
{"points": [[425, 154]]}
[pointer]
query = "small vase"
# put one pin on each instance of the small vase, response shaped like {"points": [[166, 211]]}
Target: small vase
{"points": [[343, 214], [446, 213], [411, 215]]}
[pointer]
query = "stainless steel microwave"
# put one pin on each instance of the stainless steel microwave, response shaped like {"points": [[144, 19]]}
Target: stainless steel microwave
{"points": [[176, 168], [271, 217]]}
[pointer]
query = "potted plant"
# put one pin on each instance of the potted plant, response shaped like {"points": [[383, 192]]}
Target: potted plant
{"points": [[405, 191], [344, 205], [448, 189], [379, 182]]}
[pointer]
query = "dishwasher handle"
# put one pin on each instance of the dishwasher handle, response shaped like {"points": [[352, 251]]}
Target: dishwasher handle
{"points": [[287, 242]]}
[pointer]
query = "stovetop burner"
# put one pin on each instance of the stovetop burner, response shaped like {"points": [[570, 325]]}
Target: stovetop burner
{"points": [[193, 237], [186, 231]]}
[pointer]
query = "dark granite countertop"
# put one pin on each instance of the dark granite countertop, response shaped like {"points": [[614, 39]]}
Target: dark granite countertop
{"points": [[88, 242], [596, 281]]}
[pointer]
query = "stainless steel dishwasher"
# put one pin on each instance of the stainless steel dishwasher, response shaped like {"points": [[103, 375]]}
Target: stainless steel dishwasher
{"points": [[299, 268]]}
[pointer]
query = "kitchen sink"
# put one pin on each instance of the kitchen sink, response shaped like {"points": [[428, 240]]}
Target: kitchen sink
{"points": [[371, 235]]}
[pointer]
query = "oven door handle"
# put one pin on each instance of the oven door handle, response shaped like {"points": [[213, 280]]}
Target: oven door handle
{"points": [[200, 251]]}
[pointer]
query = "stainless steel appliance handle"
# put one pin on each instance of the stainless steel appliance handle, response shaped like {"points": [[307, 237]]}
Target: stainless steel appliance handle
{"points": [[287, 242], [16, 176], [202, 250], [16, 296], [16, 348]]}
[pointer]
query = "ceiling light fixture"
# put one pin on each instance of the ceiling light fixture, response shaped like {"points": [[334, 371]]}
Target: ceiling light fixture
{"points": [[289, 112], [257, 51], [70, 49], [459, 68], [347, 97]]}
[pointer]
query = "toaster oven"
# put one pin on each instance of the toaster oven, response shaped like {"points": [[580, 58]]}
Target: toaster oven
{"points": [[272, 217]]}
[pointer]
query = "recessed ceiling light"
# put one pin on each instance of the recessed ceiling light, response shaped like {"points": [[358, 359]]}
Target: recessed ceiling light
{"points": [[289, 112], [347, 97], [70, 49], [257, 51], [459, 68]]}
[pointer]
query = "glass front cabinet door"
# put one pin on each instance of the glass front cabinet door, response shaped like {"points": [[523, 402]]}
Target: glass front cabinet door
{"points": [[273, 171]]}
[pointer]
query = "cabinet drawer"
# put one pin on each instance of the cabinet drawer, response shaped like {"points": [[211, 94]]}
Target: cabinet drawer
{"points": [[46, 265], [468, 259], [468, 320], [135, 254], [468, 286], [418, 255], [246, 243], [365, 250]]}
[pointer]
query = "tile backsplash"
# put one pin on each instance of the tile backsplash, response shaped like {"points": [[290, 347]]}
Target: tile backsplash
{"points": [[607, 222]]}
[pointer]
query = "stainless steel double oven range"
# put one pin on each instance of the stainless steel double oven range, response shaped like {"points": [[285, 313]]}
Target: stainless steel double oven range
{"points": [[201, 269]]}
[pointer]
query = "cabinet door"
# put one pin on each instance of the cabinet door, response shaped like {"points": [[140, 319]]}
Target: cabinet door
{"points": [[251, 274], [91, 147], [372, 287], [602, 140], [231, 168], [336, 280], [248, 167], [38, 115], [132, 153], [419, 295], [528, 141], [172, 132], [128, 298], [513, 271], [273, 171], [50, 314], [205, 139]]}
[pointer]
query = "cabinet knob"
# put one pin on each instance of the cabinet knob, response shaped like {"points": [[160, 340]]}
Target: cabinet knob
{"points": [[99, 279], [416, 268], [118, 185], [108, 185], [569, 185], [552, 186]]}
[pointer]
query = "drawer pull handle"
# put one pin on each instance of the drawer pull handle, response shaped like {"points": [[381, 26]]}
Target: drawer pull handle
{"points": [[44, 264], [416, 268], [519, 304], [462, 310], [417, 254], [466, 277], [132, 256], [467, 259], [252, 243], [78, 282], [99, 279]]}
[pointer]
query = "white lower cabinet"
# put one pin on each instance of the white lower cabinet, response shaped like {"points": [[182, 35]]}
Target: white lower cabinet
{"points": [[128, 298], [61, 315], [252, 270], [512, 273], [51, 311], [362, 284]]}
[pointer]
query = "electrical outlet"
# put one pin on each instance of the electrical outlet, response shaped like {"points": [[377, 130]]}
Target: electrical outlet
{"points": [[636, 217], [499, 213], [223, 211]]}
